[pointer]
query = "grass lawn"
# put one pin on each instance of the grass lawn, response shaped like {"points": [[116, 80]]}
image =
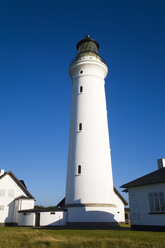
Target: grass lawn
{"points": [[23, 237]]}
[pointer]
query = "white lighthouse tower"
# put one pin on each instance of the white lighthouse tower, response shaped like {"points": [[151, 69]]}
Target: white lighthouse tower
{"points": [[90, 197]]}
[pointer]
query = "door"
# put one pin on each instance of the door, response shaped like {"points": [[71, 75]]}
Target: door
{"points": [[37, 221]]}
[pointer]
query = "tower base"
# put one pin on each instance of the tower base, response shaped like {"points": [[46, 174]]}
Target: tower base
{"points": [[92, 225], [92, 216]]}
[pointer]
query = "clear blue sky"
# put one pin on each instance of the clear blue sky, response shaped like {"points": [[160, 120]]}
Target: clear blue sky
{"points": [[37, 43]]}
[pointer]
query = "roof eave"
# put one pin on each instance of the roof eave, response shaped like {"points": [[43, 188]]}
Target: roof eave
{"points": [[18, 181], [120, 196], [138, 185]]}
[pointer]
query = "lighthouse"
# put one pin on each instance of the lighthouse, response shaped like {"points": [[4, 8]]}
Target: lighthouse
{"points": [[90, 197]]}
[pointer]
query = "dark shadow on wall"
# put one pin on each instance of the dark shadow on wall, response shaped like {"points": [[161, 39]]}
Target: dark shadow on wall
{"points": [[9, 221], [93, 219], [96, 220]]}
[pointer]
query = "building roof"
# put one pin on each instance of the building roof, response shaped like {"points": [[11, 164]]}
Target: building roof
{"points": [[20, 183], [42, 210], [23, 198], [23, 183], [157, 176], [87, 39], [127, 209], [120, 196], [61, 204]]}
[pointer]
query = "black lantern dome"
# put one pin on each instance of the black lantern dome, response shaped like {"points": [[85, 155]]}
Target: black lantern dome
{"points": [[87, 46]]}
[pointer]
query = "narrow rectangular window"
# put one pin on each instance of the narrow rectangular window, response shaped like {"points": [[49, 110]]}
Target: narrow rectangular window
{"points": [[2, 192], [1, 207], [156, 202], [79, 169], [80, 126], [151, 202], [81, 89], [162, 201], [11, 193]]}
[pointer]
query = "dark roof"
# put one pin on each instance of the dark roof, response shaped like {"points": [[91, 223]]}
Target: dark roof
{"points": [[120, 196], [61, 204], [19, 182], [23, 183], [86, 39], [157, 176], [42, 210], [22, 197]]}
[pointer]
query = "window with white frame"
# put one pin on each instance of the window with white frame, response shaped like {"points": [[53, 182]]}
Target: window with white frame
{"points": [[10, 193], [1, 207], [157, 202], [2, 192]]}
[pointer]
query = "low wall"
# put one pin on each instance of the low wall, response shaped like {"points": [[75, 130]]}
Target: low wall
{"points": [[41, 218], [53, 218], [26, 219]]}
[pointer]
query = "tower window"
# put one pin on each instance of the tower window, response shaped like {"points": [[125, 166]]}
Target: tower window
{"points": [[81, 72], [81, 89], [79, 169], [80, 126]]}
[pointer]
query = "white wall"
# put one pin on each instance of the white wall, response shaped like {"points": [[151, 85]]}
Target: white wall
{"points": [[46, 218], [92, 214], [90, 147], [120, 213], [27, 219], [7, 184], [57, 219], [140, 208], [21, 204], [26, 204]]}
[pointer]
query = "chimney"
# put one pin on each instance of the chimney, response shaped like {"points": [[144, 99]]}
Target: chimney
{"points": [[161, 163], [2, 172]]}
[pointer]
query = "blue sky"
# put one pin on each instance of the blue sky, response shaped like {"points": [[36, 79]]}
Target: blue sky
{"points": [[37, 42]]}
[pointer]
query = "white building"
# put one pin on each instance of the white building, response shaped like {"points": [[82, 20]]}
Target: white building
{"points": [[90, 197], [42, 217], [14, 196], [57, 216], [17, 205], [147, 200]]}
